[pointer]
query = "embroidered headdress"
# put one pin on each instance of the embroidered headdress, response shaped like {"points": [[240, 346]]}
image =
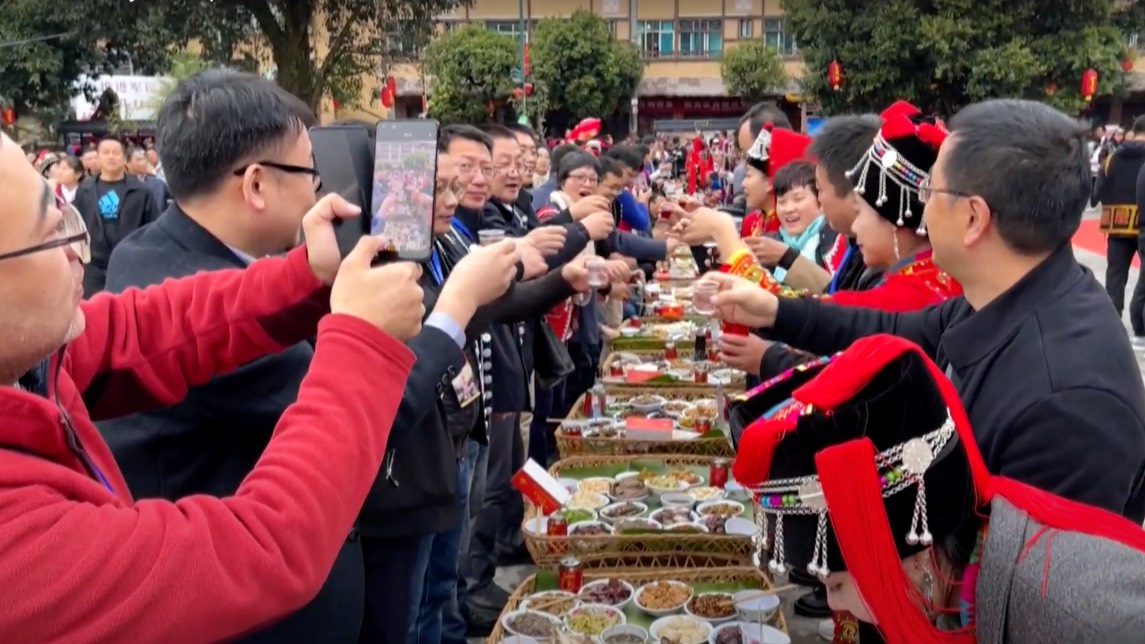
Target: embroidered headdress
{"points": [[897, 164], [775, 147]]}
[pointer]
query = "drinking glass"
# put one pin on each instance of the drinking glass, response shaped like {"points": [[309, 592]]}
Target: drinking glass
{"points": [[597, 272], [702, 294], [490, 236]]}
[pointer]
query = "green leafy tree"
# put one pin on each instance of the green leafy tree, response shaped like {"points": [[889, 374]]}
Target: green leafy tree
{"points": [[752, 70], [944, 54], [583, 69], [468, 69]]}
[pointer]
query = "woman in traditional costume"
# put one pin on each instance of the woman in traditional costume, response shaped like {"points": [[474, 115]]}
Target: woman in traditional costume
{"points": [[869, 477]]}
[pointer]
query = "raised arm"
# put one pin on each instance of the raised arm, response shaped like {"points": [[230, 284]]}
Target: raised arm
{"points": [[144, 348], [204, 569]]}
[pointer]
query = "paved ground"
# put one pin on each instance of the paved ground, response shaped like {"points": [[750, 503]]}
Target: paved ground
{"points": [[804, 631]]}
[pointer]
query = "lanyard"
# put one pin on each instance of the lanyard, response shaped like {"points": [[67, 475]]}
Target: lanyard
{"points": [[834, 285], [435, 267], [461, 228]]}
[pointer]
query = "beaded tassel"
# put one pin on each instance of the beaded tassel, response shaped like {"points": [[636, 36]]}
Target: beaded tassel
{"points": [[818, 564]]}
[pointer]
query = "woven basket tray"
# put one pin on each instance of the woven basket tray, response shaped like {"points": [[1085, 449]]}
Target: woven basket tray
{"points": [[639, 550], [737, 384], [729, 579]]}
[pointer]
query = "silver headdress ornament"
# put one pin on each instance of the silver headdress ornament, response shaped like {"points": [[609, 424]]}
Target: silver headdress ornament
{"points": [[894, 167], [761, 149], [900, 467]]}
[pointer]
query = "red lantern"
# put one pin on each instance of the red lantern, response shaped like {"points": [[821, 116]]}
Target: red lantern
{"points": [[386, 97], [334, 102], [528, 89], [525, 59], [8, 115], [835, 75], [1127, 64], [1051, 88], [1088, 84], [518, 93]]}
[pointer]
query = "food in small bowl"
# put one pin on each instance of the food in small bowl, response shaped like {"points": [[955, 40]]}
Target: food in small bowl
{"points": [[665, 483], [627, 526], [677, 500], [680, 629], [747, 633], [581, 500], [703, 494], [662, 597], [589, 529], [623, 510], [755, 607], [576, 516], [629, 488], [531, 624], [596, 485], [726, 509], [647, 402], [669, 517], [624, 634], [593, 619], [610, 592], [674, 408], [688, 477], [554, 602], [629, 331], [687, 528], [712, 607]]}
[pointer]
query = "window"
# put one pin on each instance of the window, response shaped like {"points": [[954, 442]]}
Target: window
{"points": [[399, 45], [507, 27], [745, 28], [701, 38], [448, 26], [774, 37], [656, 38], [1131, 41], [612, 28]]}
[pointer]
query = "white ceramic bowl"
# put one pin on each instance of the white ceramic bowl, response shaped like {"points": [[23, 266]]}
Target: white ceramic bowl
{"points": [[706, 494], [595, 485], [583, 524], [660, 612], [519, 639], [677, 500], [616, 613], [604, 582], [753, 633], [740, 527], [657, 626], [660, 491], [604, 516], [658, 517], [541, 598], [689, 527], [647, 406], [507, 620], [630, 525], [624, 629], [711, 620], [538, 526], [588, 501], [629, 331], [752, 607], [704, 509]]}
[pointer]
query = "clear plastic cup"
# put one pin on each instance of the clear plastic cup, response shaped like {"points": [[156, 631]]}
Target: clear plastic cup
{"points": [[597, 272], [490, 236], [702, 294]]}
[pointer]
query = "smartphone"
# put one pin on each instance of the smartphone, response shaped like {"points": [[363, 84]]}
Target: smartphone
{"points": [[344, 161], [404, 175]]}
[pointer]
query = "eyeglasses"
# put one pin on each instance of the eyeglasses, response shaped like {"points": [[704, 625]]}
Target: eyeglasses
{"points": [[926, 191], [590, 179], [508, 168], [456, 188], [71, 232], [285, 167], [469, 169]]}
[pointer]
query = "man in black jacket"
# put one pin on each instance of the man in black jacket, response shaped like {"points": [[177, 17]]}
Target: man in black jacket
{"points": [[1116, 191], [1040, 359], [114, 204]]}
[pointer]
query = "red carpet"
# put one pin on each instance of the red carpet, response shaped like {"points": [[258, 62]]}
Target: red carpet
{"points": [[1089, 238]]}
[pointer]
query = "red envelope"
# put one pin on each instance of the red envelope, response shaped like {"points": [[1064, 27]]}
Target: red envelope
{"points": [[649, 429]]}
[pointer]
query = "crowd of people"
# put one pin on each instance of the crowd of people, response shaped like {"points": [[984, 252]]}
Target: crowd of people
{"points": [[218, 428]]}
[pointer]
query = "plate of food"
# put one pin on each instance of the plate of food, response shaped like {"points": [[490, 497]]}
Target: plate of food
{"points": [[534, 624], [623, 510], [647, 403], [629, 488], [703, 494], [593, 619], [660, 598], [611, 592], [624, 634], [581, 500], [669, 517], [680, 629], [723, 508], [687, 477], [595, 484], [713, 608], [556, 603]]}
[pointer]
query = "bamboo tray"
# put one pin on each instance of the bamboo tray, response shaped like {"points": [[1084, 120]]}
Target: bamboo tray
{"points": [[738, 383], [729, 579], [640, 549]]}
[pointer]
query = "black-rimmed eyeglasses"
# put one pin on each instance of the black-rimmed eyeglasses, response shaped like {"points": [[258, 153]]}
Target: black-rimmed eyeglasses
{"points": [[71, 232], [285, 167]]}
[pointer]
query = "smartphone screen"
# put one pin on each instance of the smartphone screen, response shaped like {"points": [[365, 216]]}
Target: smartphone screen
{"points": [[405, 170], [344, 161]]}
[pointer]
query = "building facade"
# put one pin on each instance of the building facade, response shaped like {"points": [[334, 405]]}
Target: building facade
{"points": [[681, 41]]}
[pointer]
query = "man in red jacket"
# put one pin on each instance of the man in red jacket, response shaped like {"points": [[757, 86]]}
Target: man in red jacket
{"points": [[80, 560]]}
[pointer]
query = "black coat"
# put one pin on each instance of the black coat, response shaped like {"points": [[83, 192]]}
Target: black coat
{"points": [[137, 209], [1045, 372], [209, 441], [416, 491]]}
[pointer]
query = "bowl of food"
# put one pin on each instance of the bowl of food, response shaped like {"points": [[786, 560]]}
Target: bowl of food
{"points": [[674, 408], [551, 602], [538, 526], [665, 483], [754, 606], [576, 516], [659, 598], [593, 619], [677, 500], [705, 493], [690, 527], [592, 501], [727, 509], [519, 639], [687, 477], [638, 525], [669, 517], [629, 488], [596, 485], [747, 633], [723, 376], [534, 624], [589, 529], [647, 403], [610, 592], [714, 608], [629, 331], [680, 629], [624, 634], [623, 510]]}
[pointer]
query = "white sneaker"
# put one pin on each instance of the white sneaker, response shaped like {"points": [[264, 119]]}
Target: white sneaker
{"points": [[1139, 342], [827, 629]]}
